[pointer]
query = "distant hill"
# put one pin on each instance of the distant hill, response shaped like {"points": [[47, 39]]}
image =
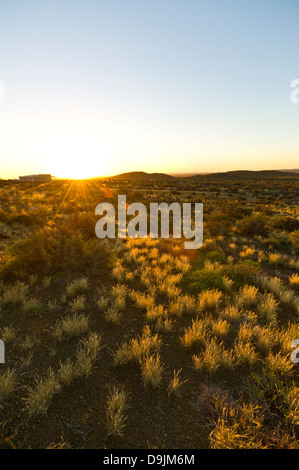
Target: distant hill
{"points": [[291, 171], [247, 174], [141, 175]]}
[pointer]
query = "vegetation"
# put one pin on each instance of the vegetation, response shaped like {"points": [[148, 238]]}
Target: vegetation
{"points": [[190, 347]]}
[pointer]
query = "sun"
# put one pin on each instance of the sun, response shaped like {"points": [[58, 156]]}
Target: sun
{"points": [[78, 167]]}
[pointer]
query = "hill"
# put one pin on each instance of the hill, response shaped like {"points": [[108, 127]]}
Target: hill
{"points": [[247, 174], [141, 175]]}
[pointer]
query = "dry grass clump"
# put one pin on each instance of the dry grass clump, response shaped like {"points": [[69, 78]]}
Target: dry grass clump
{"points": [[279, 364], [265, 338], [292, 409], [245, 333], [39, 398], [77, 287], [87, 352], [294, 279], [32, 306], [28, 342], [91, 345], [8, 383], [53, 305], [196, 333], [227, 283], [220, 327], [117, 402], [247, 296], [209, 300], [209, 359], [182, 264], [175, 383], [176, 307], [231, 313], [267, 309], [102, 303], [77, 304], [213, 356], [273, 284], [250, 317], [67, 372], [46, 282], [138, 347], [119, 291], [247, 252], [182, 304], [84, 362], [155, 312], [118, 272], [238, 427], [73, 325], [119, 303], [8, 334], [294, 264], [164, 325], [112, 315], [278, 259], [276, 286], [171, 291], [285, 336], [151, 370], [189, 303], [142, 300], [14, 294], [244, 353]]}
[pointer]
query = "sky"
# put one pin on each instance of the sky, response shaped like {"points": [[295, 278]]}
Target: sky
{"points": [[95, 88]]}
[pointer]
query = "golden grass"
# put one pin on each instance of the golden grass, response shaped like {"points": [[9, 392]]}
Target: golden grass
{"points": [[8, 383], [39, 398], [73, 325], [117, 402], [151, 370]]}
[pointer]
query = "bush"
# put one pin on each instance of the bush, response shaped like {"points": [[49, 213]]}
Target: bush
{"points": [[242, 273], [53, 249], [204, 279], [284, 223], [252, 225], [295, 238], [216, 256]]}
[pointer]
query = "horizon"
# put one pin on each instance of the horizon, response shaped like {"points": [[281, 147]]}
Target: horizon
{"points": [[179, 174], [102, 88]]}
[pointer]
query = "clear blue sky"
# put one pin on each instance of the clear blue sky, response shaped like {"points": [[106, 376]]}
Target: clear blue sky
{"points": [[101, 87]]}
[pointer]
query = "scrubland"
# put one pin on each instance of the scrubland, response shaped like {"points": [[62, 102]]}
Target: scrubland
{"points": [[139, 343]]}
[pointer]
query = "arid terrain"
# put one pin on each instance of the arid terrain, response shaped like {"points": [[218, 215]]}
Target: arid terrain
{"points": [[139, 343]]}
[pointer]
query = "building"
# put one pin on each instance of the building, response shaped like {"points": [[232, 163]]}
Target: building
{"points": [[35, 178]]}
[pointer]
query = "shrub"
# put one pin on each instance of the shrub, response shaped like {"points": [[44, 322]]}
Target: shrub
{"points": [[204, 279], [54, 249], [294, 237], [252, 225]]}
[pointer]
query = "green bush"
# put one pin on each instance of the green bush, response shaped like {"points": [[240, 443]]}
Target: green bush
{"points": [[216, 256], [242, 273], [204, 279], [55, 249]]}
